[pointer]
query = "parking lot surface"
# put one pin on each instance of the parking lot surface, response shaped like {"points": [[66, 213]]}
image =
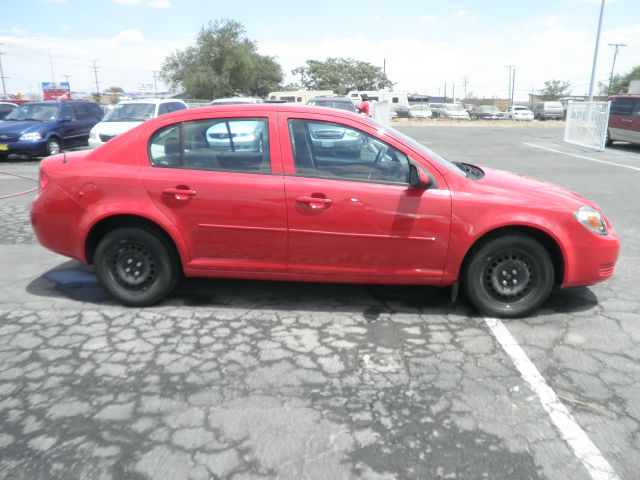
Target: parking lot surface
{"points": [[248, 380]]}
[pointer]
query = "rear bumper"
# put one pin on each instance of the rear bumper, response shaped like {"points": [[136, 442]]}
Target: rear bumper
{"points": [[58, 232]]}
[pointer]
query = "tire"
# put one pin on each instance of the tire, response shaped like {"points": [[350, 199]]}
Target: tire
{"points": [[509, 276], [54, 146], [608, 142], [136, 267]]}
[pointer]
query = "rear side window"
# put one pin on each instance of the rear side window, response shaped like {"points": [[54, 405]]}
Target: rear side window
{"points": [[623, 106], [231, 145]]}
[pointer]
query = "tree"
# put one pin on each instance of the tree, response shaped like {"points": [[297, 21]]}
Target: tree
{"points": [[342, 75], [222, 63], [554, 89], [620, 83]]}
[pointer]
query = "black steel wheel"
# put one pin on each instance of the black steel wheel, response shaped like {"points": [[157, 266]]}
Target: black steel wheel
{"points": [[54, 146], [135, 266], [509, 276]]}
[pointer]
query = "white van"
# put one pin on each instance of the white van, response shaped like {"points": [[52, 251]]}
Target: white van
{"points": [[129, 113]]}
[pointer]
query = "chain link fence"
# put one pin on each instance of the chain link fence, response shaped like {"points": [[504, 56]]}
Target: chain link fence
{"points": [[586, 124]]}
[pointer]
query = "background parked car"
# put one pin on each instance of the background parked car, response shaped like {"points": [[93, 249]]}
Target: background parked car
{"points": [[455, 111], [624, 119], [44, 128], [486, 112], [129, 113], [6, 108], [343, 103], [518, 112], [548, 110], [420, 111], [437, 109]]}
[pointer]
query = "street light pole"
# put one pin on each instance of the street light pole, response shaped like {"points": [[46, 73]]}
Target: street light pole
{"points": [[617, 45], [595, 53]]}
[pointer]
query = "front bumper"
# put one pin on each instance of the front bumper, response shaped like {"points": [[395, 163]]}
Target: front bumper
{"points": [[590, 258], [21, 147]]}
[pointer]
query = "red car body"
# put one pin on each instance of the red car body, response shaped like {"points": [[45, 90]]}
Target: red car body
{"points": [[284, 225]]}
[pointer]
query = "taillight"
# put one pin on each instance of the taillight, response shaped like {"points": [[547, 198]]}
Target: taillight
{"points": [[44, 179]]}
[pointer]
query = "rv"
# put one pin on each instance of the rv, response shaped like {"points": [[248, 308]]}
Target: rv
{"points": [[297, 96]]}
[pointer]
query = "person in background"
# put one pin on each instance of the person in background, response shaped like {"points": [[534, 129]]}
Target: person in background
{"points": [[365, 107]]}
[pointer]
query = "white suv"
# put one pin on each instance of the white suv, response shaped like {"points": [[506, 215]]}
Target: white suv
{"points": [[129, 113]]}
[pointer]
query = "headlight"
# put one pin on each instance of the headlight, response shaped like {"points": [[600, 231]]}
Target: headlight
{"points": [[93, 135], [591, 219], [31, 136]]}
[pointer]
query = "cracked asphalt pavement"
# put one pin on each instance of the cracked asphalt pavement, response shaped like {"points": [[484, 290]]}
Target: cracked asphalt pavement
{"points": [[264, 380]]}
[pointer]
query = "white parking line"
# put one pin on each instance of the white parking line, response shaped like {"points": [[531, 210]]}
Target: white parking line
{"points": [[580, 443], [583, 157]]}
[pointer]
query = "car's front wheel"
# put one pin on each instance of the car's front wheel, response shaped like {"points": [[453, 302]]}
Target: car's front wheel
{"points": [[54, 146], [135, 266], [509, 276]]}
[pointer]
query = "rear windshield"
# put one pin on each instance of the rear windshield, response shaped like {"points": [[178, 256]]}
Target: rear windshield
{"points": [[553, 105]]}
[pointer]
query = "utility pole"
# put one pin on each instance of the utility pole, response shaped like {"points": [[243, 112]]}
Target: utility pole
{"points": [[509, 84], [4, 88], [465, 80], [513, 85], [67, 77], [155, 85], [53, 78], [617, 45], [95, 72]]}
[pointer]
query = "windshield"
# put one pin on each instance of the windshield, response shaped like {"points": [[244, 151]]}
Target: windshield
{"points": [[454, 107], [422, 149], [131, 112], [28, 111]]}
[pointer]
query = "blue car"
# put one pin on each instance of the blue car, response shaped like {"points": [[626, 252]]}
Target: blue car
{"points": [[45, 128]]}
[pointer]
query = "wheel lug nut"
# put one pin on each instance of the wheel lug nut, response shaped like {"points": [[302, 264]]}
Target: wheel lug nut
{"points": [[127, 270], [139, 264], [514, 271], [504, 283], [504, 273], [129, 261], [515, 282]]}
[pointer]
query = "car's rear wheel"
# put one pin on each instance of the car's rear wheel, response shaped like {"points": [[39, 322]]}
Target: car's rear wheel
{"points": [[54, 146], [135, 266], [509, 276]]}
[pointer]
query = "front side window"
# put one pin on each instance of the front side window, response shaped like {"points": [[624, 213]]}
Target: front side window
{"points": [[233, 145], [331, 150]]}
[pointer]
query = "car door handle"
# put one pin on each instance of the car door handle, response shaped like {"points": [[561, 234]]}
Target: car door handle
{"points": [[315, 202], [627, 120], [179, 193]]}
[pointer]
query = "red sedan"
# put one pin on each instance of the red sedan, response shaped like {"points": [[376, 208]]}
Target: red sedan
{"points": [[281, 192]]}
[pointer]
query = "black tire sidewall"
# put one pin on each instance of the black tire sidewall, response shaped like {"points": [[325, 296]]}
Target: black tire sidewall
{"points": [[473, 276], [165, 263]]}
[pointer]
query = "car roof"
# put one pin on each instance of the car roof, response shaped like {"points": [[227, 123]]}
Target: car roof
{"points": [[150, 100]]}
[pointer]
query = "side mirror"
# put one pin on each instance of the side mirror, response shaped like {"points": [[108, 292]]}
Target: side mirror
{"points": [[420, 179], [66, 118]]}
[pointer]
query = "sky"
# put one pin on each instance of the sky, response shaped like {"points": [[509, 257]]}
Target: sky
{"points": [[424, 46]]}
